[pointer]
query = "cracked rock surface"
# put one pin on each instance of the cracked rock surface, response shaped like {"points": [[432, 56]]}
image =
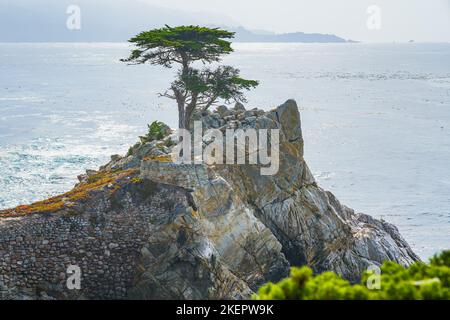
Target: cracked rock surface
{"points": [[160, 230]]}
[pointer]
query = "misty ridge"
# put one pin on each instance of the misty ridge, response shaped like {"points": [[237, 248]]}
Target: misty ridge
{"points": [[117, 21]]}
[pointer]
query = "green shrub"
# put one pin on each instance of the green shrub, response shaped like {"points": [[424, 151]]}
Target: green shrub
{"points": [[156, 131], [419, 281], [130, 151]]}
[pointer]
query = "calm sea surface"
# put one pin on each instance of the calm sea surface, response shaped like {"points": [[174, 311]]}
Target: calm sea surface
{"points": [[376, 120]]}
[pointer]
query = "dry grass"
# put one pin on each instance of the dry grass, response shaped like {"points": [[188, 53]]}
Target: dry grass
{"points": [[165, 158], [80, 192]]}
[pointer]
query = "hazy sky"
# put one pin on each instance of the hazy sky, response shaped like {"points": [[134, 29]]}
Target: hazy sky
{"points": [[401, 20]]}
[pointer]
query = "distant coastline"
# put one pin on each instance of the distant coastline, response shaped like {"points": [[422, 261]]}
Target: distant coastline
{"points": [[244, 35]]}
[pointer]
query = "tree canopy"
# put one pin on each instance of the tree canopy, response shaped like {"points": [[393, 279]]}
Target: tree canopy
{"points": [[193, 89], [182, 44]]}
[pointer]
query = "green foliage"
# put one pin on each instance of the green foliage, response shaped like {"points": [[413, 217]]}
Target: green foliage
{"points": [[130, 151], [192, 89], [206, 86], [417, 282], [442, 259], [182, 44], [156, 131]]}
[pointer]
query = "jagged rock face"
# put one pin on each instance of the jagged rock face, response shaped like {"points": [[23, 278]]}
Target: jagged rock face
{"points": [[309, 222], [169, 231], [221, 230]]}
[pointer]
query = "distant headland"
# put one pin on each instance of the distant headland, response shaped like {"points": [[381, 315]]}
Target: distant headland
{"points": [[244, 35]]}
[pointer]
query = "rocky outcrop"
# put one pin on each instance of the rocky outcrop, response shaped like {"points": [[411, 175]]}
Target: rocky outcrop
{"points": [[144, 227]]}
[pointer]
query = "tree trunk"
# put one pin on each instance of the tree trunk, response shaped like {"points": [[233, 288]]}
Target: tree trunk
{"points": [[187, 120], [181, 116], [181, 109], [190, 110], [187, 116]]}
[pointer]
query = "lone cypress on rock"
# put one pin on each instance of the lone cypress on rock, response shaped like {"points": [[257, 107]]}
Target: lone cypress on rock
{"points": [[193, 89]]}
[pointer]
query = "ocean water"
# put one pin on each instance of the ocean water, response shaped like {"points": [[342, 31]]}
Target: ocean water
{"points": [[375, 117]]}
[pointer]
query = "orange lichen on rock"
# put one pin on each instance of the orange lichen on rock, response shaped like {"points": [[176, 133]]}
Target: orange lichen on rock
{"points": [[164, 158], [136, 180], [80, 192]]}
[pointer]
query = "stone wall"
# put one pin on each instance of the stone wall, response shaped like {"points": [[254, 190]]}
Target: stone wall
{"points": [[104, 240]]}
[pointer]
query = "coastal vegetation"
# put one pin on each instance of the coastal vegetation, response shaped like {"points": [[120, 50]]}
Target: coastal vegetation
{"points": [[193, 89], [156, 131], [420, 281]]}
